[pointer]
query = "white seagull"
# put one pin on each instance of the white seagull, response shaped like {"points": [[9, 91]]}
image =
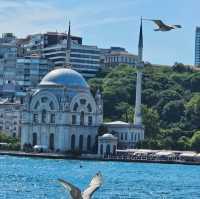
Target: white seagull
{"points": [[162, 26], [76, 193]]}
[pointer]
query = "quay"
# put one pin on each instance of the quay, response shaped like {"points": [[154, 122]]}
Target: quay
{"points": [[130, 155]]}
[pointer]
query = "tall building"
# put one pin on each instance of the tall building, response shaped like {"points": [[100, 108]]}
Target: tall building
{"points": [[8, 53], [30, 70], [197, 47]]}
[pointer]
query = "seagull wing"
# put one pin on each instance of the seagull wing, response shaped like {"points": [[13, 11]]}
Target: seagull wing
{"points": [[159, 23], [176, 26], [95, 183], [74, 191]]}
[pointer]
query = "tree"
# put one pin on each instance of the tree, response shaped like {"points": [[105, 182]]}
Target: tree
{"points": [[173, 111], [195, 141], [151, 122]]}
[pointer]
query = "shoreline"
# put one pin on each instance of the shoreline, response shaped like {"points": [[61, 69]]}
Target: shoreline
{"points": [[87, 158]]}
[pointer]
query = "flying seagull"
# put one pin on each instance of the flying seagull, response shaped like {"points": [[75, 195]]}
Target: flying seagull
{"points": [[162, 26], [76, 193]]}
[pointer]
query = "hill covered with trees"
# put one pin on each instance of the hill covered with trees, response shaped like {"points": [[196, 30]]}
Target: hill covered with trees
{"points": [[170, 98]]}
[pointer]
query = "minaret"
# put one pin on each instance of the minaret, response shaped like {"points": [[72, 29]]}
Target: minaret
{"points": [[68, 50], [139, 66]]}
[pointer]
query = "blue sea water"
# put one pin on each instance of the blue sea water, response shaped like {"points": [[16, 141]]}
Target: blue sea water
{"points": [[31, 178]]}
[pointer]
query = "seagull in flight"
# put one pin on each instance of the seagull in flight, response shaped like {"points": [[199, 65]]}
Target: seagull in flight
{"points": [[162, 26], [76, 193]]}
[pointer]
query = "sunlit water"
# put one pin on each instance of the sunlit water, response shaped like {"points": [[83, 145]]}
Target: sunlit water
{"points": [[28, 178]]}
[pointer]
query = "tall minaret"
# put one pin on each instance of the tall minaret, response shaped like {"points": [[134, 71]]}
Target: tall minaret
{"points": [[139, 66], [68, 50]]}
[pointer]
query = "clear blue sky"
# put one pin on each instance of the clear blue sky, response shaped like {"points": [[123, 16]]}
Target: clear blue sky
{"points": [[108, 23]]}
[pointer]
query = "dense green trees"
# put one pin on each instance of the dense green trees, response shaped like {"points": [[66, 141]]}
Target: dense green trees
{"points": [[171, 103]]}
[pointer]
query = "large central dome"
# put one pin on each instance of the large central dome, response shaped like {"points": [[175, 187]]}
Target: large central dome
{"points": [[64, 76]]}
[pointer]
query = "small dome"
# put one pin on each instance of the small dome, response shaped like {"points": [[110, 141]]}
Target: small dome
{"points": [[108, 136], [64, 76]]}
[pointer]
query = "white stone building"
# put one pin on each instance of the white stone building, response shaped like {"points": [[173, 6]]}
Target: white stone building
{"points": [[62, 114], [10, 118], [128, 135]]}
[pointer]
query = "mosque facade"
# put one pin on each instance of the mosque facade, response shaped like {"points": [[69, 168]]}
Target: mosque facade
{"points": [[61, 113]]}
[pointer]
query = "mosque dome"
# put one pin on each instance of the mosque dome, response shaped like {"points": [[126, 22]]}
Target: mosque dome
{"points": [[64, 76]]}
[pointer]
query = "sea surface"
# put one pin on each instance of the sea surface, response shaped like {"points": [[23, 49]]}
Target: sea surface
{"points": [[32, 178]]}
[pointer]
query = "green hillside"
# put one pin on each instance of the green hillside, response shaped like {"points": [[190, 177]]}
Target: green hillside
{"points": [[171, 103]]}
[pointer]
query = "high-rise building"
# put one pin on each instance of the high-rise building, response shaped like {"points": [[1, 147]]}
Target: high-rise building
{"points": [[30, 70], [197, 47], [8, 53]]}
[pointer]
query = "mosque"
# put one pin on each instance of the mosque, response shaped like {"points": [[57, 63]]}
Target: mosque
{"points": [[63, 115]]}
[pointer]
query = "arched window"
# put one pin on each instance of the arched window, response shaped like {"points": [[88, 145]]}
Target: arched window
{"points": [[122, 136], [82, 118], [101, 149], [73, 119], [89, 108], [34, 139], [88, 143], [53, 118], [131, 136], [37, 104], [114, 149], [75, 108], [51, 104], [51, 141], [81, 143], [89, 120], [73, 138], [108, 149], [135, 137], [44, 116], [126, 136]]}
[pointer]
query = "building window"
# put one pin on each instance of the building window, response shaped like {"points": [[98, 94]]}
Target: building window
{"points": [[34, 139], [82, 118], [108, 149], [37, 105], [51, 141], [81, 143], [44, 116], [88, 143], [53, 118], [73, 138], [35, 117], [44, 99], [89, 120], [75, 107], [122, 136], [73, 119], [51, 104], [89, 108], [126, 136], [101, 149], [83, 101]]}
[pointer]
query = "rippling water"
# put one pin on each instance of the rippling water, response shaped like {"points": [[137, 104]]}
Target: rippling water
{"points": [[28, 178]]}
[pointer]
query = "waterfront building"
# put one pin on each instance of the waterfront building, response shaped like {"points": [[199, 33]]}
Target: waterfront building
{"points": [[61, 113], [197, 47], [107, 144], [116, 56], [10, 118], [128, 134]]}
